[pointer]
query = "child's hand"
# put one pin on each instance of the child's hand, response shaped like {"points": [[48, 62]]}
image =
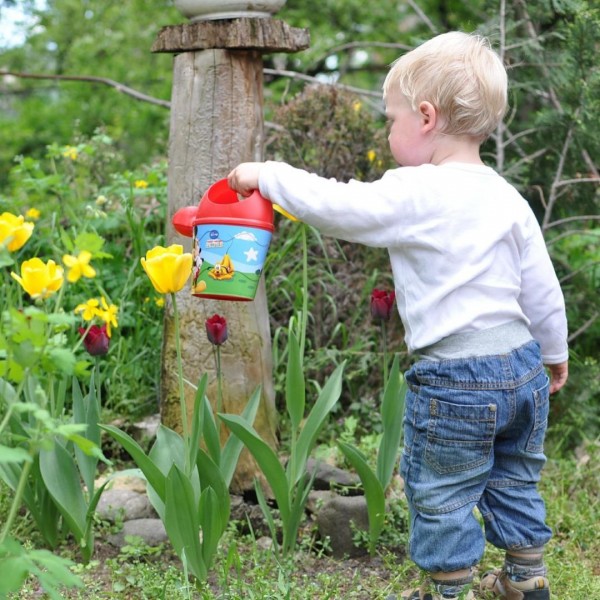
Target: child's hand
{"points": [[244, 178], [558, 376]]}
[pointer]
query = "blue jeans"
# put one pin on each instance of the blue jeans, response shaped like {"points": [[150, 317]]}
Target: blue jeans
{"points": [[474, 434]]}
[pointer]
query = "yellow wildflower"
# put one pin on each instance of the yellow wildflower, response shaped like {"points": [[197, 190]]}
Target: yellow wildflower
{"points": [[160, 302], [168, 268], [70, 152], [33, 213], [371, 155], [357, 105], [79, 266], [39, 279], [88, 309], [140, 184], [108, 313], [14, 231]]}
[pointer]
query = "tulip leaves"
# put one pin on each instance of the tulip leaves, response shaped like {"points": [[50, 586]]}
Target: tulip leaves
{"points": [[376, 482], [290, 486], [189, 479]]}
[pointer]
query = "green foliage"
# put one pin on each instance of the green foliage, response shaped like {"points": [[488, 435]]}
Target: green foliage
{"points": [[375, 482], [100, 39], [190, 487], [18, 563]]}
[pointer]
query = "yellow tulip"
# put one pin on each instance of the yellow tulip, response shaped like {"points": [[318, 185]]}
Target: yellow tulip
{"points": [[38, 279], [14, 231], [168, 268], [79, 266]]}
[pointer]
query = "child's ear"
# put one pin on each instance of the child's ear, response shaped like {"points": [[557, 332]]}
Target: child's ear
{"points": [[428, 115]]}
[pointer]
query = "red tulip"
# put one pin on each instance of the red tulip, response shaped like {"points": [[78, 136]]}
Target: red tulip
{"points": [[382, 303], [96, 340], [216, 330]]}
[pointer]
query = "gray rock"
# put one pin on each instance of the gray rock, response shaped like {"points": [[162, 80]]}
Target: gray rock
{"points": [[327, 475], [151, 531], [124, 504], [334, 521]]}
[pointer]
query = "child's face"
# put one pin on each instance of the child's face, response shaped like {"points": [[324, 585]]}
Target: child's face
{"points": [[406, 139]]}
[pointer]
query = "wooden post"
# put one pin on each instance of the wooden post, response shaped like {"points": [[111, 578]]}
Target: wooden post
{"points": [[216, 123]]}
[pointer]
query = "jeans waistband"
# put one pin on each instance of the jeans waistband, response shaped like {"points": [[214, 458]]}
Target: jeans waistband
{"points": [[495, 340]]}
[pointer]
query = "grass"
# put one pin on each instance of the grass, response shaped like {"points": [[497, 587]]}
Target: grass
{"points": [[244, 568]]}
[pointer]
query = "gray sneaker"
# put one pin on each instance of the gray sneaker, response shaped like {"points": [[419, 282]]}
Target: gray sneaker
{"points": [[498, 583]]}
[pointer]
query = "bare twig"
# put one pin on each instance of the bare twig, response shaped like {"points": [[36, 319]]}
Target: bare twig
{"points": [[577, 271], [584, 327], [90, 79], [571, 232], [571, 219], [559, 171], [303, 77], [578, 180], [422, 16]]}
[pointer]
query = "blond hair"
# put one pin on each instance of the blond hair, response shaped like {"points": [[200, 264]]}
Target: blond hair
{"points": [[460, 75]]}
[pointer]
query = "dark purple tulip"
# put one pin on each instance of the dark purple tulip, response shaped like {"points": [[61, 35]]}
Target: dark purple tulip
{"points": [[216, 330], [96, 340], [382, 303]]}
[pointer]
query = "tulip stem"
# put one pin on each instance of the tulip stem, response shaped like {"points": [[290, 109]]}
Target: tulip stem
{"points": [[385, 358], [184, 416], [304, 317], [217, 350]]}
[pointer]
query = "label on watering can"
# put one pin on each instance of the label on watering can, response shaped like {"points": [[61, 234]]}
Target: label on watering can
{"points": [[228, 260]]}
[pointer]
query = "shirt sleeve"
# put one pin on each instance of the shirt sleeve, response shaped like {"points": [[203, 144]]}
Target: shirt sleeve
{"points": [[354, 211], [541, 298]]}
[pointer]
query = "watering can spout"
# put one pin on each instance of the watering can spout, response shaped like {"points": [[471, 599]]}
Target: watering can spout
{"points": [[183, 220]]}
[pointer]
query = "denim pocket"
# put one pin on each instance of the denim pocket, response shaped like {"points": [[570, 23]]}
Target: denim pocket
{"points": [[459, 437], [541, 404]]}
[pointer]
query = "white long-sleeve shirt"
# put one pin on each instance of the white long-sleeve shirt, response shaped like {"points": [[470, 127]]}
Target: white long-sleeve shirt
{"points": [[466, 251]]}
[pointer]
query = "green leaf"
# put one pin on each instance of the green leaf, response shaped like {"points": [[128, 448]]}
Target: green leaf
{"points": [[295, 394], [182, 522], [14, 455], [169, 449], [267, 461], [153, 474], [211, 524], [210, 476], [197, 419], [374, 492], [233, 446], [62, 359], [210, 431], [14, 571], [89, 241], [61, 477], [268, 514], [314, 422], [8, 393], [392, 412]]}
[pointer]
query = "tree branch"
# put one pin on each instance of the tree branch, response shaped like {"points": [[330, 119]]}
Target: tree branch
{"points": [[584, 327], [90, 79]]}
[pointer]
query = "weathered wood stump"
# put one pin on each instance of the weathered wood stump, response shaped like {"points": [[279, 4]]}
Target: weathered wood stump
{"points": [[216, 123]]}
